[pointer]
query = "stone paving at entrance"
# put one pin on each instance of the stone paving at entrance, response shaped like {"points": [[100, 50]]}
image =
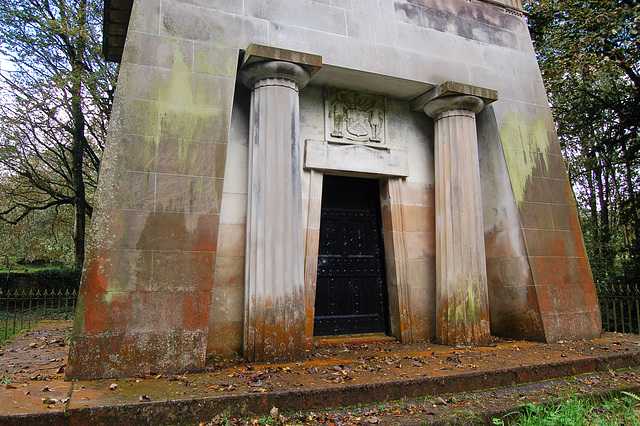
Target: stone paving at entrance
{"points": [[340, 372]]}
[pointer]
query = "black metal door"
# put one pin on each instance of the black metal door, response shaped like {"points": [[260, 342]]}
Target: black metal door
{"points": [[351, 290]]}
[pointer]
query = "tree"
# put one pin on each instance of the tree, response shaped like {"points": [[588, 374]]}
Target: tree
{"points": [[55, 107], [589, 55], [41, 235]]}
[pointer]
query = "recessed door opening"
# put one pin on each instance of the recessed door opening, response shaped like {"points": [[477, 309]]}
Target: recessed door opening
{"points": [[351, 291]]}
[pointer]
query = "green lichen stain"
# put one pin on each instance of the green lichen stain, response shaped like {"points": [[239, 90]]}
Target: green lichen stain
{"points": [[189, 122], [150, 152], [143, 119], [193, 159], [199, 189], [472, 302], [148, 155], [109, 296], [522, 141], [78, 321], [175, 88], [184, 124], [183, 151], [179, 63], [176, 85], [217, 61], [467, 306]]}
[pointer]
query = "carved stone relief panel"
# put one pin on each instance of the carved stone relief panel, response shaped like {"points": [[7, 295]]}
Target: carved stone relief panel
{"points": [[355, 117]]}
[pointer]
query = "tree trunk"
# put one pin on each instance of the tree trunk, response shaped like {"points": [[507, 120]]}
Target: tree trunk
{"points": [[605, 229], [77, 150], [632, 208], [594, 225]]}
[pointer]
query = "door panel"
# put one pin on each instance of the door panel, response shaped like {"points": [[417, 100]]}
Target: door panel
{"points": [[350, 291]]}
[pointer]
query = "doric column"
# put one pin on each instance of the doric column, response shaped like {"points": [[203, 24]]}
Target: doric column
{"points": [[462, 306], [274, 264]]}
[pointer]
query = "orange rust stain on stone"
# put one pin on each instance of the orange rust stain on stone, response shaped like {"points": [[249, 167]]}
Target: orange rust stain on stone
{"points": [[205, 243], [577, 230], [419, 328], [98, 314], [195, 311], [207, 234], [308, 321], [204, 264], [276, 332], [559, 246], [454, 331], [96, 277]]}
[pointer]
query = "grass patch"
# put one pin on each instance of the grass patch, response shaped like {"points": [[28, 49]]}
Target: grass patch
{"points": [[12, 323], [8, 330], [622, 409], [11, 263]]}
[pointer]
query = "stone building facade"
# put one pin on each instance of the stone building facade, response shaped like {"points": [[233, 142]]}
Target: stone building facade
{"points": [[281, 170]]}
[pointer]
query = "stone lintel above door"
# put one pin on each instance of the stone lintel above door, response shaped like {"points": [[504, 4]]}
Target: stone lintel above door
{"points": [[354, 158]]}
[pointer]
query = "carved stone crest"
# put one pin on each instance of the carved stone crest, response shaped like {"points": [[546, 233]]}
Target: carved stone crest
{"points": [[354, 117]]}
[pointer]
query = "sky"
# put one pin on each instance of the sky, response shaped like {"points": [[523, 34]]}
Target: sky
{"points": [[5, 65]]}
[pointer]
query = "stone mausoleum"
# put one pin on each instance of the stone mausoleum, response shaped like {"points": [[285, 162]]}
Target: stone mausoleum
{"points": [[282, 170]]}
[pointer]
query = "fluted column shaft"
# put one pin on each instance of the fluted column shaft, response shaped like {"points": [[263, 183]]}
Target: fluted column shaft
{"points": [[274, 280], [462, 307]]}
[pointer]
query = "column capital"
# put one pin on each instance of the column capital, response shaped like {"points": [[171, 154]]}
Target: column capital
{"points": [[437, 107], [257, 71], [455, 90]]}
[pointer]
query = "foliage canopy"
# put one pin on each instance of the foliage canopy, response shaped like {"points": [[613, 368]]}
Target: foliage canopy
{"points": [[55, 108]]}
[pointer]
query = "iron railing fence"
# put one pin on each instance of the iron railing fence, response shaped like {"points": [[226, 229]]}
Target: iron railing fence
{"points": [[21, 310], [620, 308]]}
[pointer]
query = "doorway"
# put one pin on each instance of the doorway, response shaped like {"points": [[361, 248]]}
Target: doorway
{"points": [[351, 296]]}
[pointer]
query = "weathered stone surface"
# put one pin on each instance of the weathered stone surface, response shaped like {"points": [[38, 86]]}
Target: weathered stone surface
{"points": [[274, 322], [328, 156], [462, 306], [116, 355], [172, 204]]}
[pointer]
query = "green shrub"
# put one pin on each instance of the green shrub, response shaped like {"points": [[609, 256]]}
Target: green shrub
{"points": [[63, 278]]}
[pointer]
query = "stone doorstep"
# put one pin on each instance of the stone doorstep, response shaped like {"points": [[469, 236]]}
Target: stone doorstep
{"points": [[243, 405], [352, 339]]}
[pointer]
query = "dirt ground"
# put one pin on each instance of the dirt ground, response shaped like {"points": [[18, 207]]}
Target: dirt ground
{"points": [[37, 354], [35, 361]]}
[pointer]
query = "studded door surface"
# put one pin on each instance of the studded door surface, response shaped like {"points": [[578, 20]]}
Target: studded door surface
{"points": [[350, 292]]}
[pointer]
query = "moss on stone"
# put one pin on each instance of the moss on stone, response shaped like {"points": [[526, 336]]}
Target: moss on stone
{"points": [[523, 142]]}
